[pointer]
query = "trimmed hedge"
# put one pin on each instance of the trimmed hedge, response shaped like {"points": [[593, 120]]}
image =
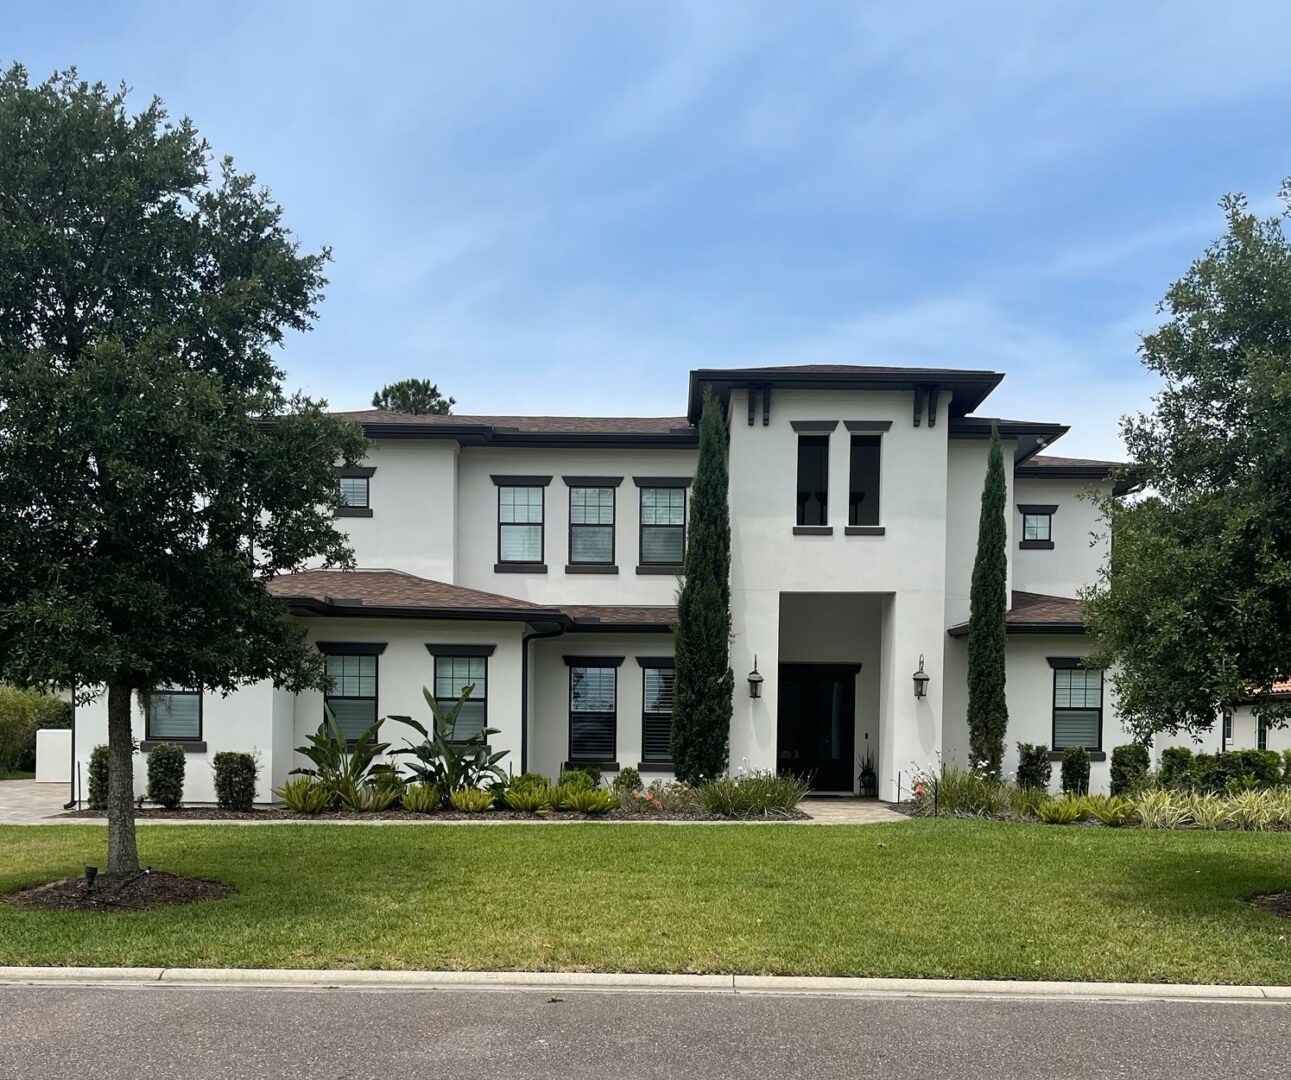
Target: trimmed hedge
{"points": [[1129, 772], [166, 775], [235, 779], [1075, 770], [22, 714], [1231, 770], [1034, 768], [98, 795]]}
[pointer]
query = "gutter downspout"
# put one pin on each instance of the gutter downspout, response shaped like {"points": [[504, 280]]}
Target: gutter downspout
{"points": [[524, 688]]}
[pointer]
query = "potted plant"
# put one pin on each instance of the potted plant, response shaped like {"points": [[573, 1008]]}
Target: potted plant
{"points": [[869, 780]]}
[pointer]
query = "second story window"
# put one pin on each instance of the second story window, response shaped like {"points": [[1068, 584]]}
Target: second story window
{"points": [[520, 513], [663, 526], [354, 491], [863, 483], [1037, 526], [591, 526], [813, 480], [355, 500]]}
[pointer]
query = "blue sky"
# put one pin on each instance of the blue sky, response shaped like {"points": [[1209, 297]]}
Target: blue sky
{"points": [[563, 207]]}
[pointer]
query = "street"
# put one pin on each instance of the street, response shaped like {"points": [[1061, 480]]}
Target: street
{"points": [[164, 1032]]}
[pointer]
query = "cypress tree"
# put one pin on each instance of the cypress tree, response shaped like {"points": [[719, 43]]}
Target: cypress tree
{"points": [[988, 712], [704, 687]]}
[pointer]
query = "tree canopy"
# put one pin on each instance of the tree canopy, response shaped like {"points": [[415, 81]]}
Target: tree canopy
{"points": [[416, 396], [154, 473], [1194, 604], [988, 710]]}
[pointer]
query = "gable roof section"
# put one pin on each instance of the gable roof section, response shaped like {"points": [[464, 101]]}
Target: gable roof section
{"points": [[592, 431], [968, 388], [1036, 613], [1069, 468], [1032, 436]]}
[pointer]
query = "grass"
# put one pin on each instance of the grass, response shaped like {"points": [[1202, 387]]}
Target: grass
{"points": [[920, 898], [16, 775]]}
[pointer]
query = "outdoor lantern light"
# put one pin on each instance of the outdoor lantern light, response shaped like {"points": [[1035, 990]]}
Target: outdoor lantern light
{"points": [[920, 680], [755, 679]]}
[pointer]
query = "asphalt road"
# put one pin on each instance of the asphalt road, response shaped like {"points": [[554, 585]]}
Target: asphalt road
{"points": [[163, 1032]]}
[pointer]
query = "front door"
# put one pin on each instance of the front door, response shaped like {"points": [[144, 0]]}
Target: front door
{"points": [[816, 725]]}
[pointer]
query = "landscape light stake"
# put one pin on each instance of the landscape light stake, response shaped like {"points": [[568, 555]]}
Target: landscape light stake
{"points": [[91, 872]]}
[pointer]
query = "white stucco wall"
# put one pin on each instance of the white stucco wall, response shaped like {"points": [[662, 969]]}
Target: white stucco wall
{"points": [[1080, 541], [549, 718], [909, 561], [478, 524]]}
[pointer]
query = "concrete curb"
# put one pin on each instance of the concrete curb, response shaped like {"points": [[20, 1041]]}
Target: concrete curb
{"points": [[541, 981]]}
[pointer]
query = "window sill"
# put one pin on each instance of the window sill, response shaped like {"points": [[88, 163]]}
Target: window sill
{"points": [[813, 530], [519, 568], [655, 568], [603, 766], [590, 568], [1036, 545], [1094, 755], [189, 746], [865, 530], [353, 511], [654, 766]]}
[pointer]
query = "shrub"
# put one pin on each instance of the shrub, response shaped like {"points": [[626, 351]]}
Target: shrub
{"points": [[595, 801], [166, 775], [1238, 770], [421, 798], [1129, 772], [1251, 810], [529, 781], [1061, 811], [1177, 768], [305, 795], [1025, 802], [1034, 767], [628, 780], [1160, 810], [959, 792], [1111, 810], [582, 779], [98, 795], [661, 797], [754, 794], [22, 714], [530, 798], [1207, 811], [338, 766], [562, 795], [1075, 770], [377, 796], [447, 762], [235, 779], [1286, 767], [471, 800]]}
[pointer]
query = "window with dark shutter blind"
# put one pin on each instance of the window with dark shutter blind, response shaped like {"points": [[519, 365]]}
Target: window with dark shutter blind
{"points": [[592, 713], [1077, 708], [656, 720]]}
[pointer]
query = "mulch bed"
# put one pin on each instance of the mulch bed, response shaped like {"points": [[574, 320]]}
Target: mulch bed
{"points": [[1274, 903], [274, 813], [119, 892]]}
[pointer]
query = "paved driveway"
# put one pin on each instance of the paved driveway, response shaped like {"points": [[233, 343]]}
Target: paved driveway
{"points": [[23, 802]]}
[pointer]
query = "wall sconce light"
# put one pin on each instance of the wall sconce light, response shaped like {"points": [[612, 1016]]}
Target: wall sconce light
{"points": [[755, 679], [920, 680]]}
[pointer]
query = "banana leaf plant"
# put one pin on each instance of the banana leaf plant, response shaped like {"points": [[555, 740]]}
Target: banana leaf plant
{"points": [[342, 768], [445, 761]]}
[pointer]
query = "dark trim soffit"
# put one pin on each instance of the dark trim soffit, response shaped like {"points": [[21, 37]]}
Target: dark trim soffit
{"points": [[592, 481], [507, 480], [460, 650], [868, 425], [656, 661], [308, 606], [813, 425], [961, 629], [1037, 508], [593, 661], [355, 471], [662, 481], [352, 511], [686, 438], [1069, 662], [351, 648]]}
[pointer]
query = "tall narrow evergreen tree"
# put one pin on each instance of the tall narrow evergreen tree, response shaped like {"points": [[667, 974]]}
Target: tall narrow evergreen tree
{"points": [[704, 687], [988, 712]]}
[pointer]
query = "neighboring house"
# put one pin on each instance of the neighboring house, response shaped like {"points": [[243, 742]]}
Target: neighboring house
{"points": [[537, 558]]}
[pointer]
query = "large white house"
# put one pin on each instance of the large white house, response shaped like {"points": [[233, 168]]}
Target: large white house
{"points": [[537, 557]]}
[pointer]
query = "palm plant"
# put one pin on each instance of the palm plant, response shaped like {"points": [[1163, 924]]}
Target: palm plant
{"points": [[341, 767], [446, 762]]}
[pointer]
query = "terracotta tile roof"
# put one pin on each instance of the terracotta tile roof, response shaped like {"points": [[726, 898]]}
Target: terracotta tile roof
{"points": [[390, 589], [590, 425], [584, 615], [1036, 613]]}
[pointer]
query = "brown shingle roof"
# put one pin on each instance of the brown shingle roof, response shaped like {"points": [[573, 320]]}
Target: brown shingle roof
{"points": [[342, 589], [589, 425], [1052, 461], [584, 615], [1036, 613]]}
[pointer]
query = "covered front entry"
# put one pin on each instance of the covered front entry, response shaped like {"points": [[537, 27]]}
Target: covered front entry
{"points": [[816, 724]]}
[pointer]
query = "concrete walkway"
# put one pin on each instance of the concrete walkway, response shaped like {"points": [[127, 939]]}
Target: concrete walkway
{"points": [[25, 802]]}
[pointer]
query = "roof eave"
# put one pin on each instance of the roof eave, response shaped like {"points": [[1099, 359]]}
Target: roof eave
{"points": [[961, 629], [312, 606]]}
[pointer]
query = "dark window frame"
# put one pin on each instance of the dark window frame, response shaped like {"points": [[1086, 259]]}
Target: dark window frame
{"points": [[1071, 663], [461, 652], [818, 440], [595, 663], [648, 664], [356, 649], [642, 526], [613, 525], [868, 438], [1261, 733], [1036, 511], [542, 524], [355, 472], [177, 692]]}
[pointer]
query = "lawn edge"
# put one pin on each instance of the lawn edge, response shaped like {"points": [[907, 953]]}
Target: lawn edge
{"points": [[536, 981]]}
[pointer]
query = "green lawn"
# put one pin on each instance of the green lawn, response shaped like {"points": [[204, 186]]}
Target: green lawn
{"points": [[923, 898], [17, 775]]}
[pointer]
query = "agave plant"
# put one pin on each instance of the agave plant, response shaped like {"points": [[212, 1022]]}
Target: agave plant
{"points": [[445, 762], [341, 768]]}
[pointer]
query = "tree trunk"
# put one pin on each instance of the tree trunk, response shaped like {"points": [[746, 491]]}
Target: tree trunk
{"points": [[123, 855]]}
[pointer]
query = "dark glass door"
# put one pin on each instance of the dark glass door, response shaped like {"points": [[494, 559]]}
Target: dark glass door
{"points": [[816, 725]]}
